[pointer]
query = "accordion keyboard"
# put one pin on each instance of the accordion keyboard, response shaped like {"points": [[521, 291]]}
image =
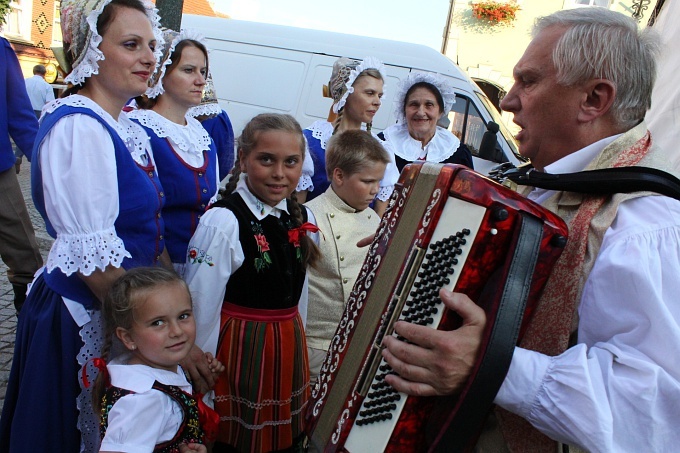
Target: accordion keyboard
{"points": [[416, 300]]}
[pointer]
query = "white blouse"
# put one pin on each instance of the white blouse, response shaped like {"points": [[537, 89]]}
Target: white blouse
{"points": [[80, 186], [139, 421]]}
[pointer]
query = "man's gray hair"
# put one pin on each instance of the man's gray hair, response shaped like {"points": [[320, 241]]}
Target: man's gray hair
{"points": [[603, 44]]}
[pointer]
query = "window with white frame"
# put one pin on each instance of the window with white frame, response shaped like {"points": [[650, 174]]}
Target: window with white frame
{"points": [[18, 21], [56, 28]]}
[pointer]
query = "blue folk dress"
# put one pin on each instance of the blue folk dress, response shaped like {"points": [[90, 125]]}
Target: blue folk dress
{"points": [[186, 159], [47, 407]]}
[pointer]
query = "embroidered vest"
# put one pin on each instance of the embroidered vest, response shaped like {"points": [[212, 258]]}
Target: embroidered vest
{"points": [[272, 274], [190, 429]]}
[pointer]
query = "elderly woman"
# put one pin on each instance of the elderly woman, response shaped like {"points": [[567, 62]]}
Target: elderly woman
{"points": [[421, 100], [356, 88]]}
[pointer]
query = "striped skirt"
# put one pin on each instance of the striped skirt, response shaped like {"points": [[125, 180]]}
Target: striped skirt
{"points": [[262, 393]]}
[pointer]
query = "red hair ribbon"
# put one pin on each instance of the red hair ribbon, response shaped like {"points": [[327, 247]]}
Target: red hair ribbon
{"points": [[97, 362], [295, 234], [208, 418]]}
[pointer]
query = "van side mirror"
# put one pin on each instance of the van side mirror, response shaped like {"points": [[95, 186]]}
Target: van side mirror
{"points": [[489, 149]]}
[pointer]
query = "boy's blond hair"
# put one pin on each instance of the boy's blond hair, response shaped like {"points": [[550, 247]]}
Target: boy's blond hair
{"points": [[350, 151]]}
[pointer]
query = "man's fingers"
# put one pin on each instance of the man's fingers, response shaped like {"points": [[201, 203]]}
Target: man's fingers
{"points": [[470, 312]]}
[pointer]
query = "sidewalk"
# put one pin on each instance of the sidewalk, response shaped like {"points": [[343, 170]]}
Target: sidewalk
{"points": [[8, 319]]}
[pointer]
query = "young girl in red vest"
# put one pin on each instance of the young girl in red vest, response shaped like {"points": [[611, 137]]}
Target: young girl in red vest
{"points": [[143, 396], [246, 272]]}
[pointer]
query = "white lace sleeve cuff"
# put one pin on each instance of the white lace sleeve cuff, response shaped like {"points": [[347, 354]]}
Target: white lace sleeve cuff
{"points": [[86, 252], [305, 183], [385, 193]]}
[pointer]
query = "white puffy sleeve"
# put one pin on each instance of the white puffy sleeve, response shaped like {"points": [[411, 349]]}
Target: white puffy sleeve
{"points": [[80, 186], [214, 253]]}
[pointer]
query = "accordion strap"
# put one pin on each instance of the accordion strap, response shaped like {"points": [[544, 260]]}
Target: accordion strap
{"points": [[499, 350], [602, 182]]}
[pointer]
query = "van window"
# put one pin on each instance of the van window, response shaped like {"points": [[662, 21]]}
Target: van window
{"points": [[467, 123]]}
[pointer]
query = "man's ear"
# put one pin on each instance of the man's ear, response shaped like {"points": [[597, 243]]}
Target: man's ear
{"points": [[599, 97], [125, 337], [338, 176]]}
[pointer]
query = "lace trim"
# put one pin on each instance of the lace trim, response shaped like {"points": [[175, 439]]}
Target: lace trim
{"points": [[191, 139], [262, 404], [86, 252], [385, 193], [367, 63], [88, 422], [399, 141], [87, 64], [287, 421], [305, 183], [157, 89], [445, 89], [322, 131], [135, 138], [212, 109]]}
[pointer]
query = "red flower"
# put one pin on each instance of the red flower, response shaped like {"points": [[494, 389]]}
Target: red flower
{"points": [[262, 242], [192, 253]]}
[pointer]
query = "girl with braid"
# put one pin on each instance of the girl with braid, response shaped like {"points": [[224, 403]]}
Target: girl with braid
{"points": [[246, 269], [356, 88], [143, 396]]}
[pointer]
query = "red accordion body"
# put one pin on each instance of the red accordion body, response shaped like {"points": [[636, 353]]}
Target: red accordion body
{"points": [[446, 226]]}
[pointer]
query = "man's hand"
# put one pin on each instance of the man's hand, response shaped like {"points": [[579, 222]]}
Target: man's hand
{"points": [[198, 367], [188, 448], [436, 362]]}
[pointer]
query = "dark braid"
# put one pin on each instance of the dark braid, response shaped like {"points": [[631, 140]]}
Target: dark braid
{"points": [[338, 119], [234, 176]]}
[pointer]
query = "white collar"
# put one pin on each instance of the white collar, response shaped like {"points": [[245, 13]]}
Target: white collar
{"points": [[571, 163], [580, 159], [191, 139], [260, 210], [140, 378], [135, 138], [441, 147], [322, 131]]}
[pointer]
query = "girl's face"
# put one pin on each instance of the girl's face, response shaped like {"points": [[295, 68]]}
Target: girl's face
{"points": [[422, 111], [127, 45], [364, 102], [273, 166], [164, 330], [184, 83]]}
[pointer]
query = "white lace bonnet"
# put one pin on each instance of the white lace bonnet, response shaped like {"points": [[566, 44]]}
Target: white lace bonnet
{"points": [[79, 30], [444, 88], [171, 38], [345, 73]]}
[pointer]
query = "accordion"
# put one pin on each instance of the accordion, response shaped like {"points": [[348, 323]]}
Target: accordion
{"points": [[445, 226]]}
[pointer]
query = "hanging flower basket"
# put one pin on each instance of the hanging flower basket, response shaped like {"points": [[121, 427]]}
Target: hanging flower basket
{"points": [[494, 11]]}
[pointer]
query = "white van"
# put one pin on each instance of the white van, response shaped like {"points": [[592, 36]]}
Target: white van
{"points": [[260, 67]]}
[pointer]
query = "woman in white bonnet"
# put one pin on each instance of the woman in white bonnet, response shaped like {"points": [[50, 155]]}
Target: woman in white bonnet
{"points": [[95, 185], [421, 100], [185, 153], [356, 88]]}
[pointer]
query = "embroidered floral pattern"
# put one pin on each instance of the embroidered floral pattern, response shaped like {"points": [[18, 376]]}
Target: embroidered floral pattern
{"points": [[264, 260], [196, 256]]}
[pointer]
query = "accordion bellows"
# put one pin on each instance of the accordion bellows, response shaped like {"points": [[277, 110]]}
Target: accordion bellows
{"points": [[446, 226]]}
